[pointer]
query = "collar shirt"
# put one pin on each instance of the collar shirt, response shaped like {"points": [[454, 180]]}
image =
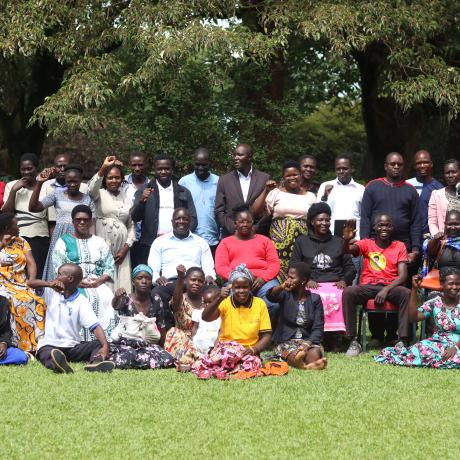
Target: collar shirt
{"points": [[168, 251], [344, 201], [204, 196], [65, 318], [245, 182], [129, 187], [166, 208]]}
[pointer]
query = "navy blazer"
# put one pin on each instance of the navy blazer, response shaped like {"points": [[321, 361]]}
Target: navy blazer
{"points": [[287, 326]]}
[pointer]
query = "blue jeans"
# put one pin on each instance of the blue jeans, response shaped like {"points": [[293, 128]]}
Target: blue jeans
{"points": [[14, 356], [262, 293]]}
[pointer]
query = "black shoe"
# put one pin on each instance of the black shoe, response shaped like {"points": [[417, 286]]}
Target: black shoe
{"points": [[101, 366], [61, 366]]}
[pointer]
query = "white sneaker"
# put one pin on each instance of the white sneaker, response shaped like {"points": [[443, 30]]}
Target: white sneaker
{"points": [[355, 349]]}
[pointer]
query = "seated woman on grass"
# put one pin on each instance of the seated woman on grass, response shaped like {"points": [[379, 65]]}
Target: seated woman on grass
{"points": [[179, 340], [300, 328], [441, 351], [129, 352], [245, 329]]}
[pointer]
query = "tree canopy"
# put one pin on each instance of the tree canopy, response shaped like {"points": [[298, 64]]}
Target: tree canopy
{"points": [[171, 75]]}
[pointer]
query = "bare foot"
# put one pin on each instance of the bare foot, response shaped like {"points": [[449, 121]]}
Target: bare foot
{"points": [[298, 360], [318, 365]]}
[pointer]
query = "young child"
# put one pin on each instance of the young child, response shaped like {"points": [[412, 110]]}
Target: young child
{"points": [[67, 313], [300, 327], [205, 333]]}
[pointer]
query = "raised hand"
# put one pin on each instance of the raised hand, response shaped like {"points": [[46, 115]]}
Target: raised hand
{"points": [[145, 194], [47, 173], [181, 270], [349, 230], [225, 291], [328, 189], [120, 292], [270, 185]]}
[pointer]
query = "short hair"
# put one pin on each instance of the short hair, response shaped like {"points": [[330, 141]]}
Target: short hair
{"points": [[246, 146], [32, 157], [308, 156], [76, 269], [137, 154], [194, 269], [180, 209], [210, 288], [451, 161], [107, 171], [291, 164], [82, 208], [448, 271], [343, 157], [393, 153], [201, 150], [379, 216], [452, 211], [240, 209], [5, 221], [74, 167], [302, 269], [315, 209], [61, 155], [164, 156]]}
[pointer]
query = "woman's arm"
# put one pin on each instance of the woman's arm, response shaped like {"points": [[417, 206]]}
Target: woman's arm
{"points": [[118, 300], [31, 266], [413, 313], [434, 245], [317, 328], [178, 294], [258, 207], [263, 343], [10, 203]]}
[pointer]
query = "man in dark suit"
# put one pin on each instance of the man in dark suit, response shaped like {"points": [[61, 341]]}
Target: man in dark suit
{"points": [[154, 205], [240, 186]]}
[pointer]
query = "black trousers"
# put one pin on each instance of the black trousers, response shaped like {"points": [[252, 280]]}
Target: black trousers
{"points": [[139, 253], [40, 246], [84, 351], [359, 295]]}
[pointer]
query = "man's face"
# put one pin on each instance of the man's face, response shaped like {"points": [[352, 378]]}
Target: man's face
{"points": [[137, 165], [423, 165], [308, 168], [201, 165], [28, 170], [181, 223], [163, 171], [241, 157], [60, 163], [343, 170], [394, 166]]}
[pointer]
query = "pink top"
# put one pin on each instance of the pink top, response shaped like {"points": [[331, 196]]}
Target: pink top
{"points": [[284, 204], [259, 254], [437, 209]]}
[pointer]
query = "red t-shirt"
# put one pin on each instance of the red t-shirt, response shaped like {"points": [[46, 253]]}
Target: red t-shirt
{"points": [[380, 265]]}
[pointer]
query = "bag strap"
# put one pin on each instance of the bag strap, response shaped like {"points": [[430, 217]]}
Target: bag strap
{"points": [[438, 256]]}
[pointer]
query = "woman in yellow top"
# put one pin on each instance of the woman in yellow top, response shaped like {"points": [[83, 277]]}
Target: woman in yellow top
{"points": [[245, 329], [27, 308]]}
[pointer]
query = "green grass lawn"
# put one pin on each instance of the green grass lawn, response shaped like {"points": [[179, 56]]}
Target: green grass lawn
{"points": [[354, 409]]}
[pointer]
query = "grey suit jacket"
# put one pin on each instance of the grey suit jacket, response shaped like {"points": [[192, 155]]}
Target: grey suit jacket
{"points": [[229, 195]]}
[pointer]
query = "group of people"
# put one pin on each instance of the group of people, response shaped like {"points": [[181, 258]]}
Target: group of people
{"points": [[208, 272]]}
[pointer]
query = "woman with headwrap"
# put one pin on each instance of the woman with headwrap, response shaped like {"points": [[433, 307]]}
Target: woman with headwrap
{"points": [[145, 310], [331, 271], [245, 328]]}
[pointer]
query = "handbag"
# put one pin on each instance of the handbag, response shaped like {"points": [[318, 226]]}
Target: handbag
{"points": [[431, 280], [138, 327]]}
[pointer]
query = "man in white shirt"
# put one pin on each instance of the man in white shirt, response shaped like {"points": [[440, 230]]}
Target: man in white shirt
{"points": [[154, 205], [67, 313], [343, 195], [180, 246]]}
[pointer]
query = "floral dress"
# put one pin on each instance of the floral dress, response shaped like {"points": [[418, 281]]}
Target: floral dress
{"points": [[178, 341], [136, 354], [27, 308], [428, 352]]}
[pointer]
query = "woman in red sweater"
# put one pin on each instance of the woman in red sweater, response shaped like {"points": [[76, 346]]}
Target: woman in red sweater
{"points": [[256, 251]]}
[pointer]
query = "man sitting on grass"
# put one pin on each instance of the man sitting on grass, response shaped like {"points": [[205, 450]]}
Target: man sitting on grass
{"points": [[382, 277], [8, 353], [67, 312]]}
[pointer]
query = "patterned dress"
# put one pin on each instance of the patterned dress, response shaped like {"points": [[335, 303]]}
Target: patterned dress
{"points": [[114, 224], [428, 352], [95, 259], [136, 354], [27, 308], [178, 341], [64, 205]]}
